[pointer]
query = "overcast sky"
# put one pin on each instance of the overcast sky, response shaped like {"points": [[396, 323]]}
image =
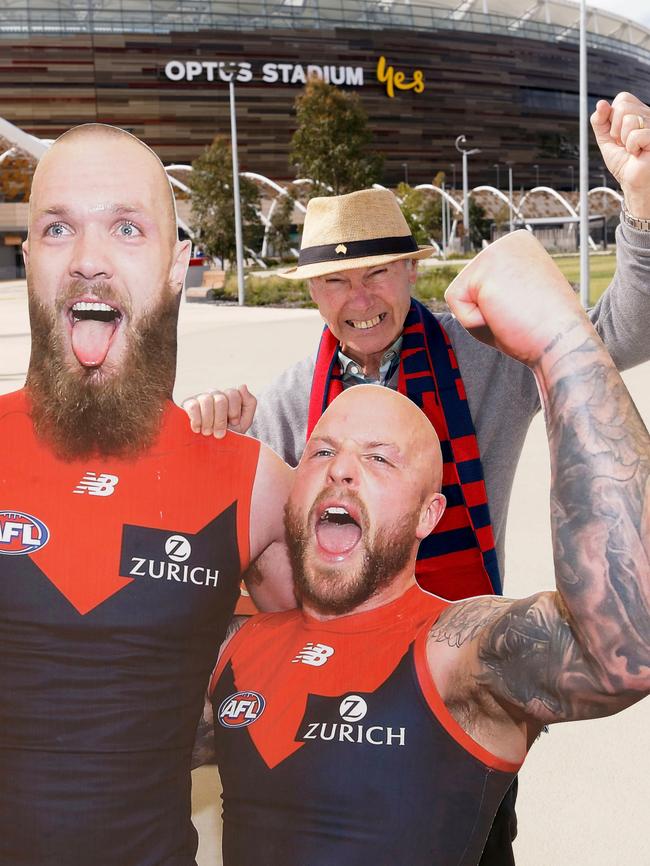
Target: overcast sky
{"points": [[636, 10]]}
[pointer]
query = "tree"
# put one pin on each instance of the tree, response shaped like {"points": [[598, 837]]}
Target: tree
{"points": [[479, 224], [279, 235], [422, 211], [332, 139], [213, 209]]}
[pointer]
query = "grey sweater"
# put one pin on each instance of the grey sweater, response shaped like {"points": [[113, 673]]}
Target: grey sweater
{"points": [[502, 393]]}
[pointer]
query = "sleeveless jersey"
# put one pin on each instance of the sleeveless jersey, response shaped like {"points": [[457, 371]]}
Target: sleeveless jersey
{"points": [[334, 746], [117, 580]]}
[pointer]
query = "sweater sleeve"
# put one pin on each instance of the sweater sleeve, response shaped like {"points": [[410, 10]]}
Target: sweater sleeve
{"points": [[622, 315], [282, 411]]}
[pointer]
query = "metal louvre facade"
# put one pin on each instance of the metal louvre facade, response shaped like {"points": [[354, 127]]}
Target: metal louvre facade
{"points": [[505, 77]]}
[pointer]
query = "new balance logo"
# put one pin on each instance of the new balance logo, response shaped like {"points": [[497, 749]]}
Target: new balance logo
{"points": [[97, 485], [315, 654]]}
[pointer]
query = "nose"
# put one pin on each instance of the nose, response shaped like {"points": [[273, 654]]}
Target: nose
{"points": [[359, 297], [344, 469], [90, 260]]}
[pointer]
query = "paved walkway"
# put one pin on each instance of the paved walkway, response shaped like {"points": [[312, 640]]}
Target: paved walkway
{"points": [[585, 787]]}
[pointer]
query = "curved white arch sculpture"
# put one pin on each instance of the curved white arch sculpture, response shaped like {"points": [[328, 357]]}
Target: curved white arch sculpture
{"points": [[615, 195], [554, 194], [443, 193]]}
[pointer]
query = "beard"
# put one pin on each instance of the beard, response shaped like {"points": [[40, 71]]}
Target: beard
{"points": [[81, 411], [339, 589]]}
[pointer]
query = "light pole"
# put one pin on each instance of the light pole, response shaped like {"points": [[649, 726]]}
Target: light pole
{"points": [[536, 167], [573, 185], [496, 165], [584, 162], [239, 241], [510, 204], [405, 166], [462, 140]]}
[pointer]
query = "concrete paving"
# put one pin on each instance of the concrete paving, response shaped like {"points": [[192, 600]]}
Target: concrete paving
{"points": [[585, 787]]}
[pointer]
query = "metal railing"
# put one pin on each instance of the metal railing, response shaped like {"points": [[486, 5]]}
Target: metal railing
{"points": [[165, 16]]}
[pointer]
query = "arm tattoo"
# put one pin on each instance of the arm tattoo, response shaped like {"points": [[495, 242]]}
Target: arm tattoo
{"points": [[585, 650], [203, 751]]}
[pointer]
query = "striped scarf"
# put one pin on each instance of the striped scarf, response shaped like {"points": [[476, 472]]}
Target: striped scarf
{"points": [[458, 560]]}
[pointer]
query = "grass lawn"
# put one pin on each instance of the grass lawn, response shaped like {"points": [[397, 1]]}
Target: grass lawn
{"points": [[432, 282]]}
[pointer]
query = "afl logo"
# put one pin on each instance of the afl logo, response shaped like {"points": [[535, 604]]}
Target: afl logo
{"points": [[21, 533], [241, 709]]}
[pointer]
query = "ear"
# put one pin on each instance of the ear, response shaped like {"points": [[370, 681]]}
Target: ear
{"points": [[432, 510], [412, 267], [26, 252], [180, 263]]}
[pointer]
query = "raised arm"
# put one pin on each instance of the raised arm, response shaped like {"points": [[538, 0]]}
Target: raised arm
{"points": [[621, 314], [584, 650]]}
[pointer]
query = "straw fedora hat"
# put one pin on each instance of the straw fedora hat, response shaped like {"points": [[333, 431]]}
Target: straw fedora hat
{"points": [[357, 230]]}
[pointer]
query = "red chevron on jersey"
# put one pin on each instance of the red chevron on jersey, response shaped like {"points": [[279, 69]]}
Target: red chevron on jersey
{"points": [[289, 656], [93, 503]]}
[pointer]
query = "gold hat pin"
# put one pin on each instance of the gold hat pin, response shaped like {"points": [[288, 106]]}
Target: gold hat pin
{"points": [[341, 248]]}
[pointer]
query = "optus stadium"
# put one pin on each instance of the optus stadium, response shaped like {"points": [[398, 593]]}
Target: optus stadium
{"points": [[502, 72]]}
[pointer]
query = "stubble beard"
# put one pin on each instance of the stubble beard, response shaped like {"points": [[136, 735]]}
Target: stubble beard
{"points": [[81, 411], [339, 589]]}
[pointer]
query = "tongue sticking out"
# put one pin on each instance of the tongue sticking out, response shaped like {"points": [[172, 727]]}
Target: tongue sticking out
{"points": [[90, 341], [337, 538]]}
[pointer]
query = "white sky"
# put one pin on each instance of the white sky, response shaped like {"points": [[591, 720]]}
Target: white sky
{"points": [[636, 10]]}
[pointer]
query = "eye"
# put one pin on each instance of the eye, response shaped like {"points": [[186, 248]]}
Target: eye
{"points": [[127, 229], [57, 230], [379, 458], [378, 273], [323, 452]]}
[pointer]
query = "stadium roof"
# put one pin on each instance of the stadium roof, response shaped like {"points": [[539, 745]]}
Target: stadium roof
{"points": [[552, 20]]}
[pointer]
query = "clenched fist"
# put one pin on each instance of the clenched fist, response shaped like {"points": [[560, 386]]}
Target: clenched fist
{"points": [[513, 296]]}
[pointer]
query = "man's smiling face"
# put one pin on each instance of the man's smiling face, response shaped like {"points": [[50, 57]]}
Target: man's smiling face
{"points": [[104, 271], [365, 308]]}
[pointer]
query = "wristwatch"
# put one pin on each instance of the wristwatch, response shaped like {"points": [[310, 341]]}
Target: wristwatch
{"points": [[636, 222]]}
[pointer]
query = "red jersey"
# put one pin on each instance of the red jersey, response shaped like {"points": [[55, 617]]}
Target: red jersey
{"points": [[117, 580], [334, 745]]}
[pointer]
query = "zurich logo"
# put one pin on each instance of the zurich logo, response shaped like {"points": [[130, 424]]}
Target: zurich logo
{"points": [[21, 533], [241, 709]]}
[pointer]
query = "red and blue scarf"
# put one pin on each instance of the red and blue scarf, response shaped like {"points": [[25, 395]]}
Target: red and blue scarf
{"points": [[458, 560]]}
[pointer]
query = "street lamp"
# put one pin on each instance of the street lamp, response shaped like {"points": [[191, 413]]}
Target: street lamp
{"points": [[584, 161], [462, 140], [239, 241], [536, 167], [573, 186], [496, 165], [405, 166]]}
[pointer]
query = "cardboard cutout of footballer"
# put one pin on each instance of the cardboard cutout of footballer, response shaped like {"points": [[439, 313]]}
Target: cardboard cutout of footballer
{"points": [[122, 535]]}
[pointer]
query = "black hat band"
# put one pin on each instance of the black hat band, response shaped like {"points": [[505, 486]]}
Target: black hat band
{"points": [[357, 250]]}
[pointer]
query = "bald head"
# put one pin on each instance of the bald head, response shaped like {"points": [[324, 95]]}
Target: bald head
{"points": [[109, 147], [374, 414]]}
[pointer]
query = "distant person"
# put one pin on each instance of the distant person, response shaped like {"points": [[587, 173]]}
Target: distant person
{"points": [[380, 724]]}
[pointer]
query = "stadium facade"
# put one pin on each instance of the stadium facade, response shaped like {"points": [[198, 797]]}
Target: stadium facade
{"points": [[502, 72]]}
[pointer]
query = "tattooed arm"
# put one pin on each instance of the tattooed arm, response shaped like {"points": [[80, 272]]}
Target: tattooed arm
{"points": [[584, 650], [203, 751]]}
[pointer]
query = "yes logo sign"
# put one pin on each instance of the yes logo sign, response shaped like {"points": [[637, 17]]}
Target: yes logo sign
{"points": [[397, 80]]}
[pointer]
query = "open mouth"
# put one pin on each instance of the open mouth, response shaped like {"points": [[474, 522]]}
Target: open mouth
{"points": [[366, 324], [337, 531], [94, 324]]}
